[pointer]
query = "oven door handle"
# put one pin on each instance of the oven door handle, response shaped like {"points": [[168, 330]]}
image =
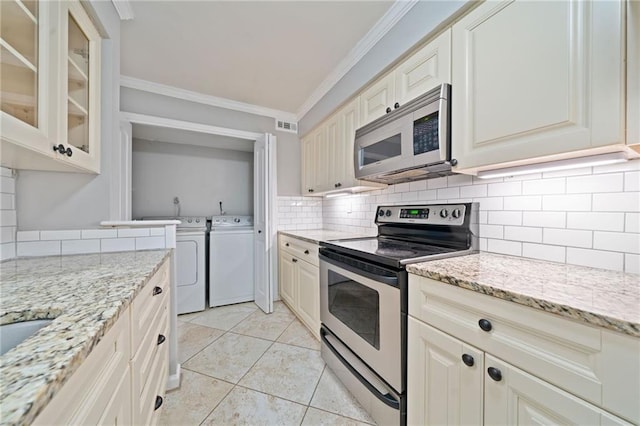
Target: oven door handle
{"points": [[387, 398], [393, 281]]}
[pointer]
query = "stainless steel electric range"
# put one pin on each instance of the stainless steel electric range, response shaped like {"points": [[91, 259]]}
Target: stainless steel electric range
{"points": [[363, 298]]}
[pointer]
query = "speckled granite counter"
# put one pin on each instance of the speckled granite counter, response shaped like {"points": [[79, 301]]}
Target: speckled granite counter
{"points": [[598, 297], [85, 294], [316, 235]]}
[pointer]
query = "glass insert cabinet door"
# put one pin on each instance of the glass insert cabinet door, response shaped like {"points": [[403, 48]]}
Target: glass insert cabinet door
{"points": [[19, 42], [83, 76]]}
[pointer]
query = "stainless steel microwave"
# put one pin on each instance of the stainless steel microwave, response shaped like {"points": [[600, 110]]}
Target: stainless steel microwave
{"points": [[412, 142]]}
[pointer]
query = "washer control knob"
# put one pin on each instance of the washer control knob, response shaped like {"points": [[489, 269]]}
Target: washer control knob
{"points": [[236, 219], [189, 220], [388, 213], [197, 220], [455, 213], [381, 212], [444, 213]]}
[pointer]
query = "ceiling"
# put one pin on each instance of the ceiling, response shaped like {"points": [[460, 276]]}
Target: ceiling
{"points": [[179, 136], [268, 53]]}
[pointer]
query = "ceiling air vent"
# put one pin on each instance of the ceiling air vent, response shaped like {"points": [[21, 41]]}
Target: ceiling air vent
{"points": [[286, 126]]}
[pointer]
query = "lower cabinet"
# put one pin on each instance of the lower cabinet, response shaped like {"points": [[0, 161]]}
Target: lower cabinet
{"points": [[476, 359], [123, 380], [299, 280]]}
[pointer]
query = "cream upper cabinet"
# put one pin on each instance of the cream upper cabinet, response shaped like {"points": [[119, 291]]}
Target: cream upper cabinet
{"points": [[375, 100], [309, 159], [427, 68], [330, 163], [532, 79], [633, 74], [50, 117]]}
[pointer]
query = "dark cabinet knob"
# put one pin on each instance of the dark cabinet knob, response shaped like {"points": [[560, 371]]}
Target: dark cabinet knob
{"points": [[306, 252], [157, 290], [69, 152], [294, 260], [335, 185], [159, 402], [259, 231], [468, 360], [388, 110], [161, 339], [60, 148], [310, 189], [396, 105], [338, 185], [485, 324], [286, 244], [495, 374]]}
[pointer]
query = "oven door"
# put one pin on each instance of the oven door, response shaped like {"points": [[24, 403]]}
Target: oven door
{"points": [[360, 304]]}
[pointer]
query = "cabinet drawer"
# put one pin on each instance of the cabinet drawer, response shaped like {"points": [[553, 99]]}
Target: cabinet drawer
{"points": [[155, 388], [146, 305], [573, 356], [303, 250]]}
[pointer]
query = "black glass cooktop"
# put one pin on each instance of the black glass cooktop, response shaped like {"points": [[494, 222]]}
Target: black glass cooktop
{"points": [[387, 250]]}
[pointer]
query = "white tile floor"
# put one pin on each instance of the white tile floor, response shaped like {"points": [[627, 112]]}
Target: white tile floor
{"points": [[243, 367]]}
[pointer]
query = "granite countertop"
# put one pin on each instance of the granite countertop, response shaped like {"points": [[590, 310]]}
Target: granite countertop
{"points": [[85, 295], [315, 236], [598, 297]]}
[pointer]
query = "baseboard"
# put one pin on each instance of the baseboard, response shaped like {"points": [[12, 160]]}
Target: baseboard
{"points": [[173, 382]]}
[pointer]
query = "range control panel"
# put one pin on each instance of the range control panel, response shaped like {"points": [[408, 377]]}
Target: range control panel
{"points": [[433, 214]]}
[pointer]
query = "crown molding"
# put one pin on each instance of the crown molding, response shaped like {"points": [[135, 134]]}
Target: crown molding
{"points": [[188, 95], [382, 27], [124, 9]]}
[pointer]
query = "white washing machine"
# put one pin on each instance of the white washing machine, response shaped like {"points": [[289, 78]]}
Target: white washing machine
{"points": [[231, 260]]}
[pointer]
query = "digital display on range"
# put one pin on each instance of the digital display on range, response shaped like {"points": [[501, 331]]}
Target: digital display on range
{"points": [[414, 213]]}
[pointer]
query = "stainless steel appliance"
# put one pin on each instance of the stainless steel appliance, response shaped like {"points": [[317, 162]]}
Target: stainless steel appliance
{"points": [[363, 297], [412, 142]]}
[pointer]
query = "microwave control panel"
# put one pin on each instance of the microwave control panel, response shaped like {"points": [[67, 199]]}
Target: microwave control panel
{"points": [[425, 134]]}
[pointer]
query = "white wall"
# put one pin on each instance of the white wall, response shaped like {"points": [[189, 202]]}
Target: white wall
{"points": [[7, 214], [199, 176], [288, 144], [50, 200], [588, 217]]}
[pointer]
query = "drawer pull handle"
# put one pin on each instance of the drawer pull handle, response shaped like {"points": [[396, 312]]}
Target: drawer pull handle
{"points": [[157, 290], [468, 360], [159, 402], [294, 260], [286, 244], [494, 373], [306, 252], [161, 339], [485, 324]]}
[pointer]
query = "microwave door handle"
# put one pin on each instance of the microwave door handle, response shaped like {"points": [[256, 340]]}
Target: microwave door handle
{"points": [[444, 128]]}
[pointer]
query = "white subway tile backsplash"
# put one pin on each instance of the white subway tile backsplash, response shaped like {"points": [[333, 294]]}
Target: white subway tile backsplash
{"points": [[595, 258], [490, 203], [632, 263], [632, 181], [428, 195], [491, 231], [133, 232], [505, 218], [545, 219], [617, 202], [568, 203], [504, 247], [99, 233], [459, 180], [8, 217], [448, 193], [6, 172], [7, 251], [420, 185], [80, 246], [437, 183], [613, 182], [409, 196], [60, 235], [504, 189], [7, 234], [568, 237], [117, 244], [473, 191], [28, 235], [544, 186], [596, 221], [7, 201], [524, 202], [523, 233], [482, 244], [544, 252], [632, 222], [7, 185], [617, 241], [38, 248], [150, 243]]}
